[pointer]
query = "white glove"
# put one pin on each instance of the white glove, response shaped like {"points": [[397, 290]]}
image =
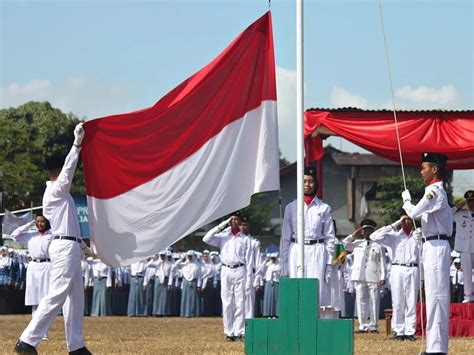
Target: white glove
{"points": [[417, 233], [88, 252], [327, 276], [396, 224], [78, 134], [406, 196], [223, 224]]}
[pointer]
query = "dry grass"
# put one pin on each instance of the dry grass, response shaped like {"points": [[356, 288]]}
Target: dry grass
{"points": [[122, 335]]}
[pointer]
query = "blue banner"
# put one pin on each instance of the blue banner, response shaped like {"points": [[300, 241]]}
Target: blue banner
{"points": [[82, 214]]}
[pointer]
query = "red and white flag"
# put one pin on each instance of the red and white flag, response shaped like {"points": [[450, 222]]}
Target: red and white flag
{"points": [[156, 175]]}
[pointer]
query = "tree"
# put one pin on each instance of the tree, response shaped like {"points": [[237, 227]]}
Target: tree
{"points": [[30, 134], [283, 161], [388, 198]]}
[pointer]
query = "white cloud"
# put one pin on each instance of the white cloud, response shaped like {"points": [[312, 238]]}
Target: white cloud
{"points": [[341, 97], [424, 96], [76, 94]]}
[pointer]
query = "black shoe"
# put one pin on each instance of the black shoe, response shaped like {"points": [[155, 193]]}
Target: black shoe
{"points": [[229, 338], [410, 337], [397, 337], [374, 331], [240, 338], [360, 331], [24, 348], [81, 351]]}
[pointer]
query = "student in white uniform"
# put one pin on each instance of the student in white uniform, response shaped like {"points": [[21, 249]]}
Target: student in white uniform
{"points": [[436, 229], [368, 274], [319, 238], [404, 251], [66, 285], [458, 282], [464, 242], [38, 271], [235, 273]]}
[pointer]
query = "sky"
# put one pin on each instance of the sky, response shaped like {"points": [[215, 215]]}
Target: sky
{"points": [[100, 57]]}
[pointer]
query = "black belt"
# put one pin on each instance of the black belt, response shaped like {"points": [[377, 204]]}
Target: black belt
{"points": [[138, 275], [406, 264], [233, 266], [308, 241], [436, 237], [100, 278], [38, 260], [67, 237]]}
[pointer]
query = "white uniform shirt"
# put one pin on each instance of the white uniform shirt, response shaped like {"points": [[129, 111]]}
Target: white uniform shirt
{"points": [[436, 217], [36, 242], [235, 249], [464, 240], [58, 205], [318, 223], [207, 272], [162, 269], [402, 248], [138, 268], [191, 271], [272, 272], [458, 277], [369, 260], [101, 270]]}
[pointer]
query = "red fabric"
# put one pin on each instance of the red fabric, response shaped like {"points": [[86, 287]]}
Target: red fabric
{"points": [[461, 319], [121, 152], [308, 199], [450, 133]]}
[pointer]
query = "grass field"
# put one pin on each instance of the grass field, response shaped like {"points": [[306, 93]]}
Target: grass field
{"points": [[122, 335]]}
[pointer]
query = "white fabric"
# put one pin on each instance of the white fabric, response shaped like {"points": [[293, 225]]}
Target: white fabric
{"points": [[162, 270], [100, 270], [191, 271], [124, 228], [367, 299], [37, 282], [36, 242], [402, 248], [138, 267]]}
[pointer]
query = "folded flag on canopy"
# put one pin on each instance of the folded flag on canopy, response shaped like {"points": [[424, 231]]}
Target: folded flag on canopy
{"points": [[155, 175]]}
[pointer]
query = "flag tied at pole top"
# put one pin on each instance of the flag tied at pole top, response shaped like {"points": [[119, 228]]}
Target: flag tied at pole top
{"points": [[155, 175]]}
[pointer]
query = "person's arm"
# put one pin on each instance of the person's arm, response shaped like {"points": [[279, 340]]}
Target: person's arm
{"points": [[109, 276], [382, 265], [351, 242], [23, 234], [384, 236], [330, 240], [428, 203], [210, 237]]}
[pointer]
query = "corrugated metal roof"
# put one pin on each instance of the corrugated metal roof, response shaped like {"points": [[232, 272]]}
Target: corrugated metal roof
{"points": [[360, 159]]}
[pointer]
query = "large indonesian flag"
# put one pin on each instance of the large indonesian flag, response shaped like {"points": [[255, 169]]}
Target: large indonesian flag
{"points": [[155, 175]]}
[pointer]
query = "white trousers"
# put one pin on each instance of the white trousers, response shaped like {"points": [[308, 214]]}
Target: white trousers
{"points": [[66, 291], [249, 299], [315, 258], [404, 282], [436, 260], [466, 263], [233, 300], [367, 299]]}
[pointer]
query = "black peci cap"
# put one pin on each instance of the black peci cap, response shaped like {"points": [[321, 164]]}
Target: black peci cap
{"points": [[311, 171], [54, 162], [469, 195], [368, 223], [435, 158]]}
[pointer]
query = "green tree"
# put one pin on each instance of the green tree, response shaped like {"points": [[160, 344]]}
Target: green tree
{"points": [[388, 198], [283, 161], [30, 134]]}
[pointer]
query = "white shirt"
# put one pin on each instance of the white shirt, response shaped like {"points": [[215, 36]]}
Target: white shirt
{"points": [[235, 249], [458, 277], [436, 217], [369, 260], [162, 270], [318, 223], [272, 272], [58, 205], [138, 268], [100, 270], [464, 240], [36, 242], [402, 248], [191, 271]]}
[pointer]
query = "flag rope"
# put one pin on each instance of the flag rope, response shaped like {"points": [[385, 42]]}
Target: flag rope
{"points": [[402, 165]]}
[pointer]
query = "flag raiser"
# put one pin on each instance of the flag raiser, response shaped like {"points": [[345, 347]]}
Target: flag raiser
{"points": [[155, 175]]}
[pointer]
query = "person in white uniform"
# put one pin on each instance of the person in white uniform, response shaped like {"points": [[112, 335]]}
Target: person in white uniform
{"points": [[66, 285], [319, 238], [436, 229], [368, 274], [464, 242], [38, 271], [235, 273], [404, 251]]}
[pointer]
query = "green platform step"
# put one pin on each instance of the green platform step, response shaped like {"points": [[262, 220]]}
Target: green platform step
{"points": [[298, 330]]}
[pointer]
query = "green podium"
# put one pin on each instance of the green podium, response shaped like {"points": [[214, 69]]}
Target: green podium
{"points": [[298, 330]]}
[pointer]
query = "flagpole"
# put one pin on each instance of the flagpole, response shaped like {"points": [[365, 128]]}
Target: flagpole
{"points": [[299, 139]]}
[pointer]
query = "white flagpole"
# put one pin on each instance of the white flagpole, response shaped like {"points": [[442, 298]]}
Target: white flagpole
{"points": [[299, 138]]}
